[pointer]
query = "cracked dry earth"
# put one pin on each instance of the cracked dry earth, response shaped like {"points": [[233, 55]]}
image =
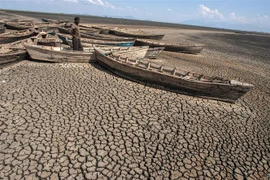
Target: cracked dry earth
{"points": [[78, 121]]}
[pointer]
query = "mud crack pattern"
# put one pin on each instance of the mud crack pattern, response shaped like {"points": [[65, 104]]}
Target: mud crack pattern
{"points": [[77, 121]]}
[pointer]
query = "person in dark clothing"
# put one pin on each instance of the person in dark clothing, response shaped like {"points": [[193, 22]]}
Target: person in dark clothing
{"points": [[76, 36]]}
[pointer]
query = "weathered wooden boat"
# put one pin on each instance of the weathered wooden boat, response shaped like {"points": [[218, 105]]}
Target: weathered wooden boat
{"points": [[85, 41], [12, 52], [15, 36], [183, 48], [2, 30], [46, 26], [50, 20], [82, 31], [106, 37], [153, 53], [60, 54], [136, 34], [46, 39], [19, 25], [173, 78]]}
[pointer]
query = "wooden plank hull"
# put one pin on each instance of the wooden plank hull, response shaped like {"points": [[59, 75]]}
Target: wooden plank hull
{"points": [[13, 56], [106, 37], [12, 37], [84, 32], [17, 27], [2, 30], [86, 41], [54, 54], [229, 91], [190, 49], [144, 36]]}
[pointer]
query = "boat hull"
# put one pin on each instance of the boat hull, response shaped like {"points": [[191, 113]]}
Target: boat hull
{"points": [[12, 57], [189, 49], [7, 39], [50, 55], [143, 36], [224, 92], [2, 30]]}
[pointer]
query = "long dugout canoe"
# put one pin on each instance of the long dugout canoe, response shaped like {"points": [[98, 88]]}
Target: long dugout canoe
{"points": [[64, 38], [173, 78], [60, 55], [183, 48], [9, 37], [19, 25], [136, 34]]}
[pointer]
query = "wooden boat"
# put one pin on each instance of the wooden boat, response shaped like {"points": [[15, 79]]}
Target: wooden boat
{"points": [[85, 41], [106, 37], [2, 30], [15, 36], [19, 25], [46, 39], [183, 48], [50, 20], [136, 34], [173, 78], [46, 26], [153, 53], [60, 54], [12, 52], [82, 31]]}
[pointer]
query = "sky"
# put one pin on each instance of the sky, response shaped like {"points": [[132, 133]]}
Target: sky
{"points": [[250, 15]]}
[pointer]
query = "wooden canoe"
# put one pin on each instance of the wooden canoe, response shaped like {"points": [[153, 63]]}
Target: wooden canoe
{"points": [[2, 30], [13, 52], [19, 25], [50, 20], [9, 37], [46, 39], [183, 48], [153, 53], [60, 55], [85, 41], [82, 31], [104, 37], [173, 78], [136, 34]]}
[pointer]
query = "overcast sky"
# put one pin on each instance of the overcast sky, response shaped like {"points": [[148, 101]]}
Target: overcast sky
{"points": [[253, 15]]}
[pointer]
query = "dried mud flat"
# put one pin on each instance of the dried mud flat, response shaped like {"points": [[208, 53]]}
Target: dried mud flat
{"points": [[79, 121]]}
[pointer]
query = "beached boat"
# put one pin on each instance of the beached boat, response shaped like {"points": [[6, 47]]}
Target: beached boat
{"points": [[46, 39], [153, 53], [136, 34], [60, 54], [183, 48], [82, 31], [46, 26], [19, 25], [105, 37], [12, 52], [15, 36], [173, 78], [2, 30], [85, 41], [50, 20]]}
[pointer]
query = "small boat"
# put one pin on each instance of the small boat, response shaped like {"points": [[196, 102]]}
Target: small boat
{"points": [[46, 39], [12, 52], [183, 48], [85, 41], [106, 37], [173, 78], [9, 37], [19, 25], [46, 26], [60, 54], [136, 34], [153, 53], [82, 31], [2, 30], [50, 20]]}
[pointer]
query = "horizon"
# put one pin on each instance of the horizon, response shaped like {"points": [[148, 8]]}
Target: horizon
{"points": [[234, 15]]}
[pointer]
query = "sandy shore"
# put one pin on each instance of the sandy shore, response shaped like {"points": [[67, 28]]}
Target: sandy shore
{"points": [[80, 121]]}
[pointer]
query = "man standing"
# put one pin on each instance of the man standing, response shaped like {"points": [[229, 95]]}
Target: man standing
{"points": [[76, 36]]}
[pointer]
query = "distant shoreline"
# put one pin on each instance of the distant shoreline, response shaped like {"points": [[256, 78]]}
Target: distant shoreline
{"points": [[122, 21]]}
